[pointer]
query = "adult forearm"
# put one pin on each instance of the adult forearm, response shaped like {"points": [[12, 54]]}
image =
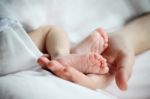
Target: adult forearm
{"points": [[138, 33]]}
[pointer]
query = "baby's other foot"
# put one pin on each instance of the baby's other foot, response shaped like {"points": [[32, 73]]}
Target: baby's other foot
{"points": [[96, 42]]}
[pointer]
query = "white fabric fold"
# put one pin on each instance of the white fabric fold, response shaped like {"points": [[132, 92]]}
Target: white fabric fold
{"points": [[17, 51]]}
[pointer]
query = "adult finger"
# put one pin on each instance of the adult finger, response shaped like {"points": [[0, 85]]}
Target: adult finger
{"points": [[43, 61]]}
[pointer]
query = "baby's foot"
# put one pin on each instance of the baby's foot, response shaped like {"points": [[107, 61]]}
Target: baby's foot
{"points": [[96, 42], [86, 63]]}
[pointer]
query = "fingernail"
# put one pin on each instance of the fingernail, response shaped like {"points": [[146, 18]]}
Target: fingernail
{"points": [[125, 86]]}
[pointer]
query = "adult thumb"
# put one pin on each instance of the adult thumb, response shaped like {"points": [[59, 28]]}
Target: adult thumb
{"points": [[124, 70]]}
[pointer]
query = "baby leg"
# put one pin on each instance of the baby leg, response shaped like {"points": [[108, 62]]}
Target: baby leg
{"points": [[51, 39]]}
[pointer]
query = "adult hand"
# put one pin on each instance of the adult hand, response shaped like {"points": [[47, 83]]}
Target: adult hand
{"points": [[131, 40], [120, 56]]}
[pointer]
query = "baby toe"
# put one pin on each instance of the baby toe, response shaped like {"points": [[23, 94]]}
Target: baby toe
{"points": [[104, 36]]}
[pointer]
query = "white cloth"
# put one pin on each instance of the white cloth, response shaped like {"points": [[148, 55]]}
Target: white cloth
{"points": [[17, 51]]}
